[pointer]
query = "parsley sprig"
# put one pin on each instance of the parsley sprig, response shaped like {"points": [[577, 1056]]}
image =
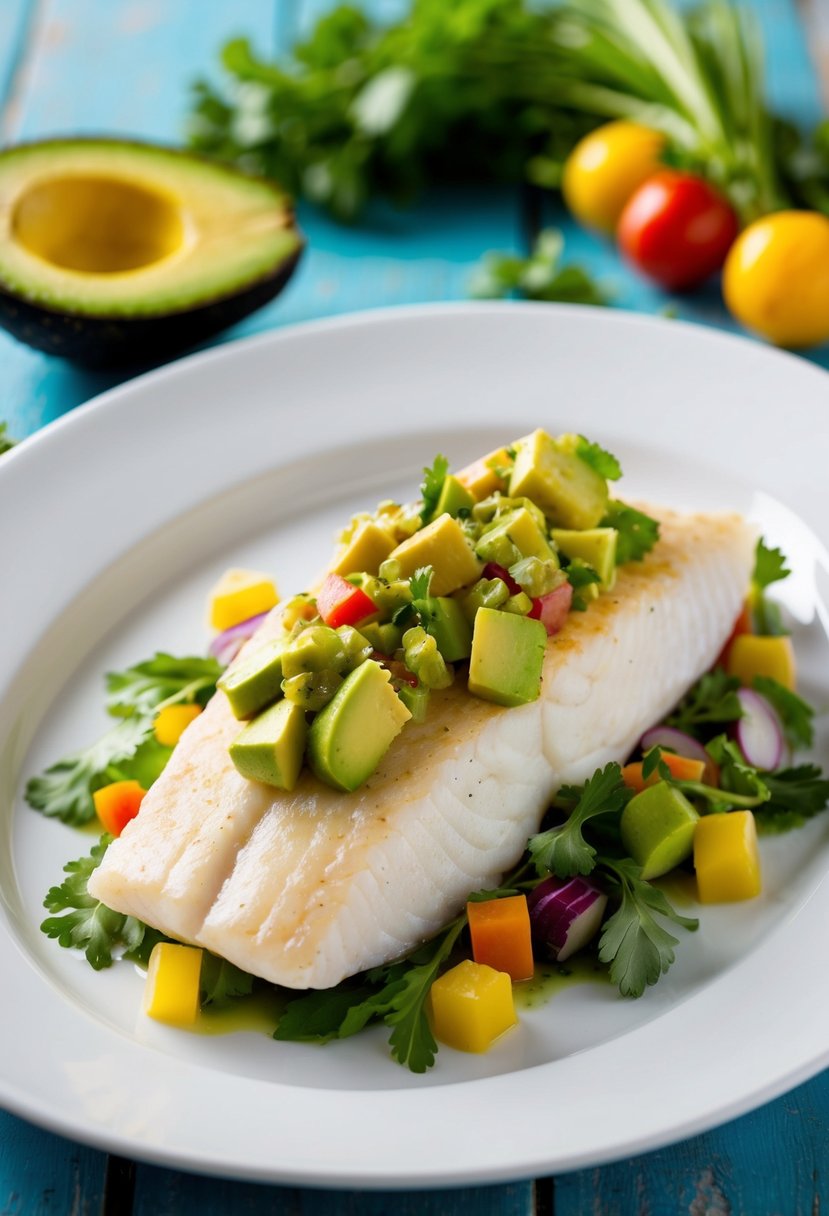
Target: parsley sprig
{"points": [[434, 476], [563, 850], [6, 441], [638, 532], [128, 750]]}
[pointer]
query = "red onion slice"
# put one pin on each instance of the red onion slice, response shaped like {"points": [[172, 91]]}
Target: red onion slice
{"points": [[565, 914], [227, 644], [675, 741], [759, 732]]}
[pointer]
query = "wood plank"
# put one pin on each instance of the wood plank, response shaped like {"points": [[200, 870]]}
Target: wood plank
{"points": [[773, 1160], [45, 1175], [163, 1193]]}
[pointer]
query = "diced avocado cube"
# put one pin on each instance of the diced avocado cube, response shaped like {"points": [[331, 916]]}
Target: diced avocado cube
{"points": [[657, 827], [442, 545], [571, 492], [256, 681], [454, 497], [444, 619], [522, 529], [348, 739], [271, 747], [316, 648], [366, 548], [507, 657], [383, 638], [595, 546]]}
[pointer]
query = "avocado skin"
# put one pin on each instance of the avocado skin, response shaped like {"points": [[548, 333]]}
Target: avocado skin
{"points": [[123, 342]]}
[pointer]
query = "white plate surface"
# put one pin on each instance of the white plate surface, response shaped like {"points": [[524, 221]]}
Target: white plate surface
{"points": [[114, 523]]}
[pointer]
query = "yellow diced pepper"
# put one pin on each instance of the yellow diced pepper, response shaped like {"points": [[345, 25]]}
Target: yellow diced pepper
{"points": [[365, 550], [240, 594], [172, 989], [472, 1006], [481, 479], [726, 858], [751, 656], [443, 546], [171, 721]]}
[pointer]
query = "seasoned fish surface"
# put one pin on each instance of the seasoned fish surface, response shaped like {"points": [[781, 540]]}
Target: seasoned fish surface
{"points": [[307, 888]]}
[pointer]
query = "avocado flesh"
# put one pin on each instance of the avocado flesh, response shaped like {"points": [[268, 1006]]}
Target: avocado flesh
{"points": [[507, 657], [115, 253], [349, 737]]}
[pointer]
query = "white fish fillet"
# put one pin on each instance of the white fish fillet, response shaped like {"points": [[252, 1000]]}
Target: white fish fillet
{"points": [[307, 888]]}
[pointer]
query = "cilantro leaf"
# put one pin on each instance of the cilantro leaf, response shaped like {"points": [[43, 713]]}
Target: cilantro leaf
{"points": [[411, 1041], [221, 982], [795, 714], [6, 441], [141, 689], [431, 486], [332, 1013], [742, 784], [712, 700], [605, 464], [563, 850], [65, 790], [796, 795], [128, 749], [638, 532], [420, 582], [86, 923], [769, 566], [638, 948], [580, 575], [540, 276]]}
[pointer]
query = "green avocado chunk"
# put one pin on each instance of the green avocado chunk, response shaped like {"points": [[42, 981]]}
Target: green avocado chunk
{"points": [[256, 681], [570, 492], [271, 747], [514, 536], [507, 657], [454, 497], [657, 827], [444, 619], [594, 546], [348, 739], [115, 252]]}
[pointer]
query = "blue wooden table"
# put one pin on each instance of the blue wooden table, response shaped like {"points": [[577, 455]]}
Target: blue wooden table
{"points": [[123, 67]]}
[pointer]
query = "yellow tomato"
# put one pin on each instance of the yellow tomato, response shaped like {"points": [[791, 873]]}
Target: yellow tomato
{"points": [[776, 278], [604, 169]]}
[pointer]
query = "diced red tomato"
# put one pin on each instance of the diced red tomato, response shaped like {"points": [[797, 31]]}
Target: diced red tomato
{"points": [[341, 603], [118, 803], [552, 609], [493, 570]]}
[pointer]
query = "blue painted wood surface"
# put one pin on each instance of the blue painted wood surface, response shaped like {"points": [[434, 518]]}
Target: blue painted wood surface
{"points": [[84, 66]]}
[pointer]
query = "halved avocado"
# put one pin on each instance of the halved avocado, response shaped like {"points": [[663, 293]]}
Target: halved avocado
{"points": [[115, 253]]}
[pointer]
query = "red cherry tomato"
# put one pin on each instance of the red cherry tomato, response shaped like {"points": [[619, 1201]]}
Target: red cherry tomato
{"points": [[677, 229]]}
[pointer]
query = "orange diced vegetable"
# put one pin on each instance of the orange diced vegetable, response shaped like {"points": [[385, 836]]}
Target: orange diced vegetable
{"points": [[117, 804], [171, 721], [472, 1006], [239, 595], [481, 479], [501, 938], [752, 656], [743, 624], [172, 989], [680, 767], [726, 857]]}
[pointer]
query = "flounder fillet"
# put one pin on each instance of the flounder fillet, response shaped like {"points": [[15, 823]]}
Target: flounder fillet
{"points": [[307, 888]]}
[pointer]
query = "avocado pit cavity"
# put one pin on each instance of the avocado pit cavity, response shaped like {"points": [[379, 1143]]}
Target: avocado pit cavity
{"points": [[97, 224]]}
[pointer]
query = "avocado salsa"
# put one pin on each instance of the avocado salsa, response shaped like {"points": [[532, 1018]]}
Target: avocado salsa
{"points": [[467, 583]]}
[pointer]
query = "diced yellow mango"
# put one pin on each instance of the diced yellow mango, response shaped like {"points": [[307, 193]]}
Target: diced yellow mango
{"points": [[443, 546], [172, 989], [481, 479], [171, 721], [240, 594], [726, 858], [368, 546], [472, 1006], [751, 656]]}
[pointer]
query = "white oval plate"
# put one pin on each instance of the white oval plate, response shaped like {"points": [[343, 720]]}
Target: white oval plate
{"points": [[115, 521]]}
